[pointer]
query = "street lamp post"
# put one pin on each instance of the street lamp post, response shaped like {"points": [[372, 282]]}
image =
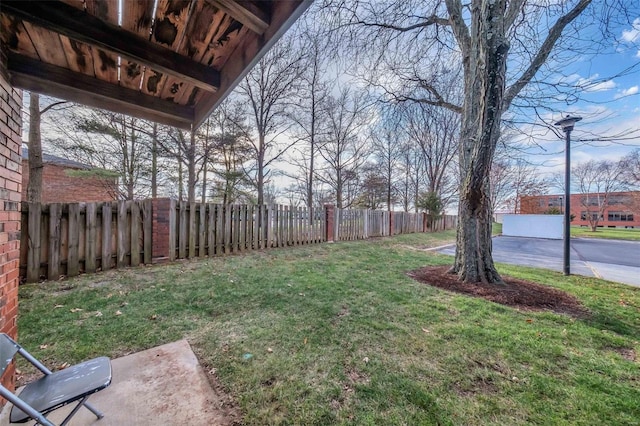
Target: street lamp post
{"points": [[567, 124]]}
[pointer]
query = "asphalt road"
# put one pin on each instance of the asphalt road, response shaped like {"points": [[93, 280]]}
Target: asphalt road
{"points": [[611, 260]]}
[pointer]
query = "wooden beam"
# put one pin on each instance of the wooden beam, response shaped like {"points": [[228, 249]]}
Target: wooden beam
{"points": [[79, 25], [31, 74], [248, 14], [249, 53]]}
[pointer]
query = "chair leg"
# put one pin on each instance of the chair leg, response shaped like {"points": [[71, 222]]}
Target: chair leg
{"points": [[74, 411], [94, 410]]}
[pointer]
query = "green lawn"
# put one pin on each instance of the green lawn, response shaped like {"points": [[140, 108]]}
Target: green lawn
{"points": [[338, 334], [609, 233], [496, 228]]}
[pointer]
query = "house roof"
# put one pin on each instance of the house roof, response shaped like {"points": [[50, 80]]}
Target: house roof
{"points": [[169, 61], [59, 161]]}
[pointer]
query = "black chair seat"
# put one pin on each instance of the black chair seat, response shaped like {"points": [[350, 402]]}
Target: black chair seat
{"points": [[64, 386]]}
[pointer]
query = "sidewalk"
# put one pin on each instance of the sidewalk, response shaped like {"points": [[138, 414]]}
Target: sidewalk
{"points": [[160, 386]]}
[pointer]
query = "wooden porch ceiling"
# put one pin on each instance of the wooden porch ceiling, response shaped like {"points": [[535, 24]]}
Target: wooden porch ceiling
{"points": [[169, 61]]}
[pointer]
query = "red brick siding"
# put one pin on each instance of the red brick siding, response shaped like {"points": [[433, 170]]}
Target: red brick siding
{"points": [[59, 187], [330, 223], [539, 204], [160, 234], [10, 186]]}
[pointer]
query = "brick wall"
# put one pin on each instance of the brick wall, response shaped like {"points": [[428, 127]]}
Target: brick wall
{"points": [[10, 183], [59, 187], [161, 229]]}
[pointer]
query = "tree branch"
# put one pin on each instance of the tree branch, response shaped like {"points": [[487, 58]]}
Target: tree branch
{"points": [[48, 107], [429, 21], [540, 58], [460, 29], [514, 8]]}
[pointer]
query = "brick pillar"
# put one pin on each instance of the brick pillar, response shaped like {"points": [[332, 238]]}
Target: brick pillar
{"points": [[330, 212], [10, 188], [163, 229]]}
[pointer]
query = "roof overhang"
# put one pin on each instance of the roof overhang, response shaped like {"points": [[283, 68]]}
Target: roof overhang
{"points": [[168, 61]]}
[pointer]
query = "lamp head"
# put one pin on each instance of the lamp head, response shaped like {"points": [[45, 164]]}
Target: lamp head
{"points": [[568, 122]]}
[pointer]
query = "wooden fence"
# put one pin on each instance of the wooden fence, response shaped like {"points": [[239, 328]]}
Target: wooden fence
{"points": [[355, 224], [69, 239], [217, 229]]}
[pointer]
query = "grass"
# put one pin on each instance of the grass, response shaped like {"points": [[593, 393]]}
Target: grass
{"points": [[496, 228], [608, 233], [340, 335]]}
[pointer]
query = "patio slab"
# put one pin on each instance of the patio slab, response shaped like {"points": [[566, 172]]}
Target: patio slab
{"points": [[160, 386]]}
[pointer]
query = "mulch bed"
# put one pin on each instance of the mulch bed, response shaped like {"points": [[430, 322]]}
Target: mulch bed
{"points": [[520, 294]]}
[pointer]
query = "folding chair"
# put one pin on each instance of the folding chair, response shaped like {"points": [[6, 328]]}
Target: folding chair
{"points": [[53, 390]]}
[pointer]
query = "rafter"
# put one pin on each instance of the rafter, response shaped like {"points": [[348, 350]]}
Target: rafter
{"points": [[247, 13], [249, 53], [33, 75], [81, 26]]}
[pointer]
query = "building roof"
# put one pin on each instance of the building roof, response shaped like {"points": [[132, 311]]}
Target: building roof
{"points": [[59, 161], [172, 61]]}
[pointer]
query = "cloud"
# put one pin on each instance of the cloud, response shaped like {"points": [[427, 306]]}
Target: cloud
{"points": [[594, 84], [627, 92], [632, 35]]}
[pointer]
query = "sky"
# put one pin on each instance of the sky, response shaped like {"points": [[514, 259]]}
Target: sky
{"points": [[609, 106]]}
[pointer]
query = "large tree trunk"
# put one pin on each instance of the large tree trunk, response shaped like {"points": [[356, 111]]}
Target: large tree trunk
{"points": [[34, 186], [484, 61]]}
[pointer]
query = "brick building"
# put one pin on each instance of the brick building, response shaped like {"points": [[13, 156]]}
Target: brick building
{"points": [[10, 188], [62, 185], [622, 209]]}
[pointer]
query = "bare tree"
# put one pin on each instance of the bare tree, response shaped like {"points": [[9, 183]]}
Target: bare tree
{"points": [[34, 186], [485, 36], [631, 169], [387, 149], [435, 132], [596, 180], [230, 151], [512, 177], [267, 89], [308, 112], [112, 142], [374, 189], [343, 151]]}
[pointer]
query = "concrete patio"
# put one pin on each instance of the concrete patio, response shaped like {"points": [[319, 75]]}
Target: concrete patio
{"points": [[160, 386]]}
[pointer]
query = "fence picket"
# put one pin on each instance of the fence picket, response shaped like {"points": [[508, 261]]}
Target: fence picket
{"points": [[135, 234], [33, 256], [202, 230], [121, 233], [211, 229], [242, 221], [227, 229], [191, 230], [55, 216], [219, 229], [90, 238], [73, 240], [183, 227], [106, 253]]}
